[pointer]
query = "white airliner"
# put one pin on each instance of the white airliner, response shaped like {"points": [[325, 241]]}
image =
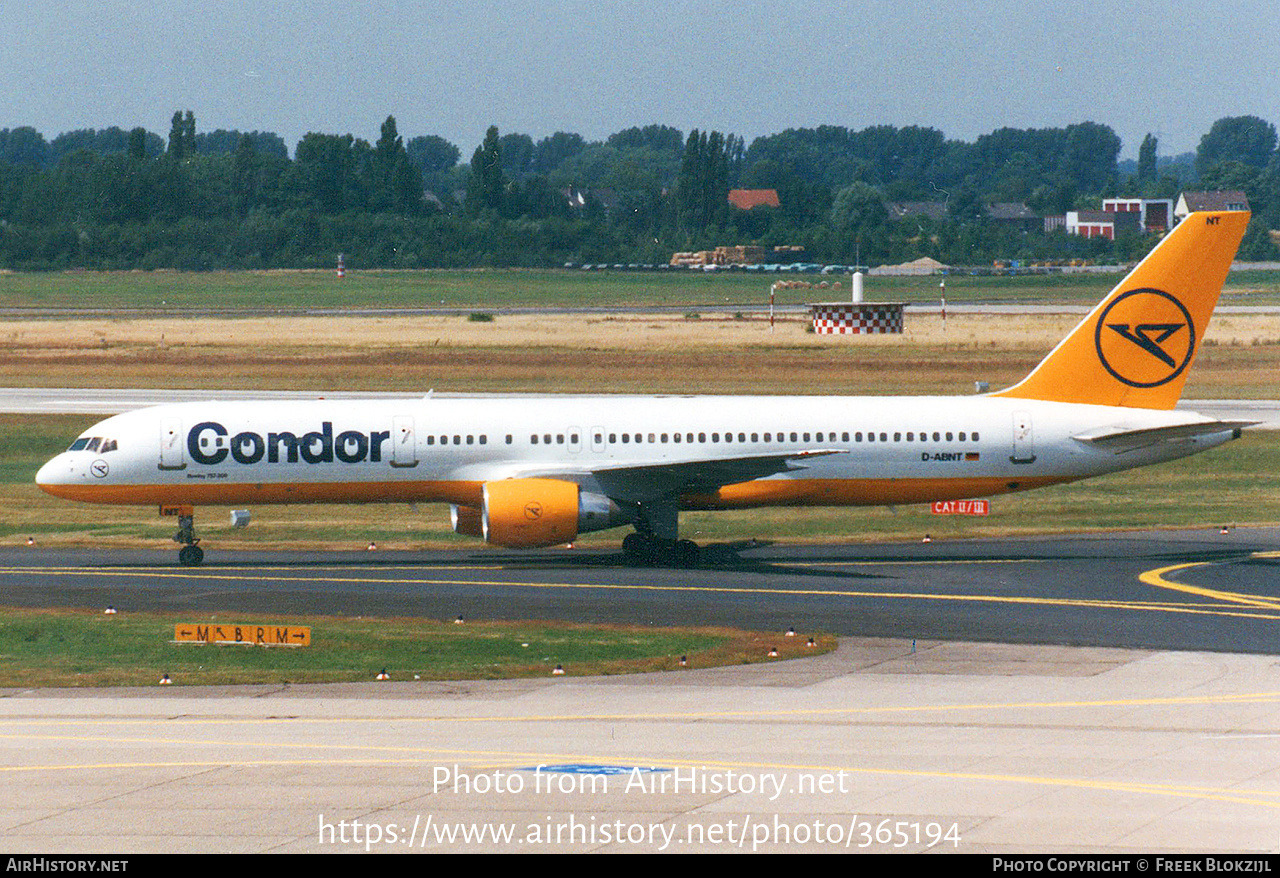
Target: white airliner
{"points": [[538, 471]]}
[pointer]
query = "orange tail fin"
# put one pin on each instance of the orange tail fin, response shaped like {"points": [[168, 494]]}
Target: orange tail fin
{"points": [[1135, 348]]}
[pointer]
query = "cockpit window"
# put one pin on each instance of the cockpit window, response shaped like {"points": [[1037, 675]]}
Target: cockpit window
{"points": [[93, 443]]}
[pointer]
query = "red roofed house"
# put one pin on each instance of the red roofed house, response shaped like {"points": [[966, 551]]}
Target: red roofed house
{"points": [[746, 199]]}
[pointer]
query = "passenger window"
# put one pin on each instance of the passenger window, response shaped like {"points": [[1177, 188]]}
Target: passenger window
{"points": [[897, 437], [533, 440], [911, 437], [431, 440], [961, 437], [471, 440], [948, 437], [937, 437], [508, 438], [975, 437], [559, 438], [884, 437]]}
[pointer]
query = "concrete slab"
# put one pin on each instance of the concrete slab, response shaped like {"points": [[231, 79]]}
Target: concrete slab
{"points": [[964, 747]]}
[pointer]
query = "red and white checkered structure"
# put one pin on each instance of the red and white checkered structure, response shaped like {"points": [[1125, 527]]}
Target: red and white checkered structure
{"points": [[843, 318]]}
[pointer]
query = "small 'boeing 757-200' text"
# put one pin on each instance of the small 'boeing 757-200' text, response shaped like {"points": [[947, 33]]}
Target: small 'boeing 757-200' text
{"points": [[527, 471]]}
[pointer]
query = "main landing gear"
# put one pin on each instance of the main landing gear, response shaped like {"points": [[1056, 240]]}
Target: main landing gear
{"points": [[655, 541], [647, 550], [190, 555]]}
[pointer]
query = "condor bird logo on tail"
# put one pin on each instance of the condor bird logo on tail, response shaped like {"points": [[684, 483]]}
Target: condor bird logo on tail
{"points": [[1148, 353], [1134, 348]]}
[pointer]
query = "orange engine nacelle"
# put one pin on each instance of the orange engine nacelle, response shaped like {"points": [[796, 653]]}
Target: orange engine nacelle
{"points": [[529, 513]]}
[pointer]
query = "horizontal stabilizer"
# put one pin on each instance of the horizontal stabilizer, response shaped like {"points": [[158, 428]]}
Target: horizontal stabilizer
{"points": [[1120, 440]]}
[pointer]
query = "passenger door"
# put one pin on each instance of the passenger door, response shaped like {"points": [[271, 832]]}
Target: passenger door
{"points": [[172, 451], [1024, 448], [404, 448]]}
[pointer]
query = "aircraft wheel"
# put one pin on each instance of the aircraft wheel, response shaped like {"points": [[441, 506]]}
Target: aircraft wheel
{"points": [[685, 553], [638, 548], [190, 556]]}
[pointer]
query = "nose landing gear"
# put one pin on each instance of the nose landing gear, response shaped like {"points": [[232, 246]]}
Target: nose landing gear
{"points": [[190, 555]]}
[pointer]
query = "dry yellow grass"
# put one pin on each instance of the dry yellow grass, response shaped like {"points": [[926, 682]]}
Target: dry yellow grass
{"points": [[620, 332], [591, 353]]}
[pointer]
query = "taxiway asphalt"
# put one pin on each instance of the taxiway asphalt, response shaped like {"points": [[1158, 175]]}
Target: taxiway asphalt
{"points": [[1183, 590]]}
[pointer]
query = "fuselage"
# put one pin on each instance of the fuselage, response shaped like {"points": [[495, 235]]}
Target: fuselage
{"points": [[849, 450]]}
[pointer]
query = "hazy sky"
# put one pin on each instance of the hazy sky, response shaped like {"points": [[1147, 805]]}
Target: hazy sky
{"points": [[593, 67]]}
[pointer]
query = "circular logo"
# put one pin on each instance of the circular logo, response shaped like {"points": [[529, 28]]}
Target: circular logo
{"points": [[99, 468], [533, 511], [1145, 338]]}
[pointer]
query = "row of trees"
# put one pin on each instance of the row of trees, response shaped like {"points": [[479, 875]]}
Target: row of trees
{"points": [[121, 199]]}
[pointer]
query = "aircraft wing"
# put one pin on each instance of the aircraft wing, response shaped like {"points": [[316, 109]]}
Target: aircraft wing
{"points": [[649, 482], [1121, 439]]}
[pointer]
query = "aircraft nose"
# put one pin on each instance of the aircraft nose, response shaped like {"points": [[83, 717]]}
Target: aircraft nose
{"points": [[57, 471]]}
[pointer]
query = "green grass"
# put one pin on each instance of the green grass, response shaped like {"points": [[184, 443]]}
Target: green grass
{"points": [[41, 648], [498, 288]]}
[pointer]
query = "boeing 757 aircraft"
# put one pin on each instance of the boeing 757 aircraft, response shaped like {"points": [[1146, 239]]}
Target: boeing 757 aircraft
{"points": [[539, 470]]}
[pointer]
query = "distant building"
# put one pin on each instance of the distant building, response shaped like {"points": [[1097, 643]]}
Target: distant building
{"points": [[1190, 202], [1014, 213], [1100, 223], [1004, 212], [1154, 214], [749, 199]]}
